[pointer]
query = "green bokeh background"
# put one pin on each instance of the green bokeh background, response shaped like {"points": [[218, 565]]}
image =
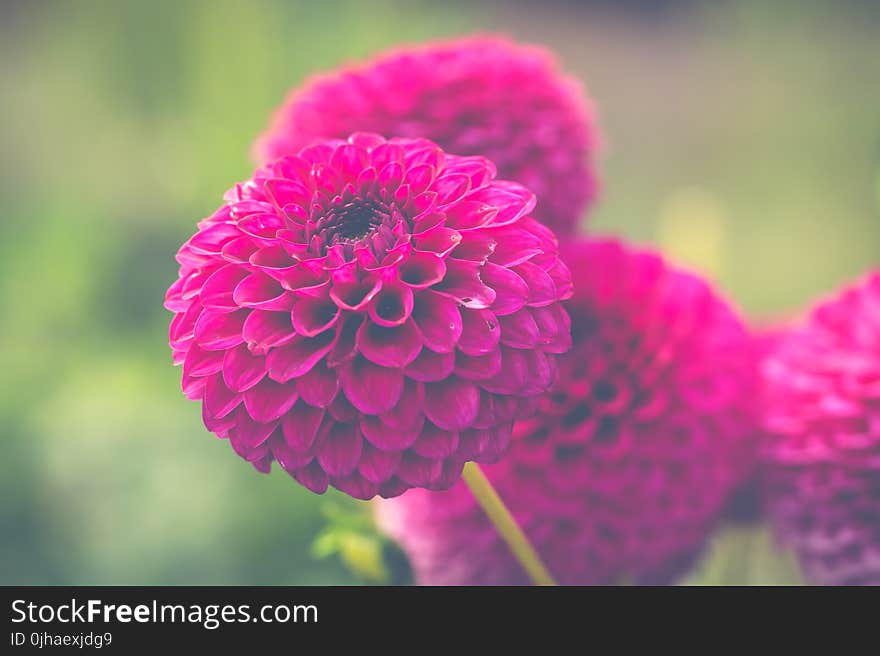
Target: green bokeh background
{"points": [[743, 138]]}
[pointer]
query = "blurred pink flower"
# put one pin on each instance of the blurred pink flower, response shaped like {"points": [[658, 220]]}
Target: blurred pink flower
{"points": [[822, 452], [632, 454], [473, 96], [369, 313]]}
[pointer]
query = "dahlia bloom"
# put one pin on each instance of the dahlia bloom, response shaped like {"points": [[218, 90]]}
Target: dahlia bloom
{"points": [[821, 456], [631, 455], [473, 96], [369, 313]]}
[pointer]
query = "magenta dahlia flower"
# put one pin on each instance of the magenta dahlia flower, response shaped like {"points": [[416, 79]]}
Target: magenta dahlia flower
{"points": [[474, 96], [632, 454], [369, 313], [822, 451]]}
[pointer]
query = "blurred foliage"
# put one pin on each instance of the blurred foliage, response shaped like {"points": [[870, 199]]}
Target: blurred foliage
{"points": [[745, 555], [352, 535], [877, 182], [743, 138]]}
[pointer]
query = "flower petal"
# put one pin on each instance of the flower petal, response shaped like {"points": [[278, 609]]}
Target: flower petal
{"points": [[262, 330], [287, 191], [451, 187], [241, 369], [469, 214], [215, 331], [436, 443], [300, 426], [270, 400], [481, 332], [211, 240], [393, 487], [385, 438], [239, 250], [356, 486], [422, 269], [389, 347], [542, 289], [202, 363], [519, 330], [349, 160], [219, 400], [408, 411], [355, 296], [439, 239], [258, 290], [182, 329], [219, 426], [378, 466], [248, 435], [511, 291], [478, 367], [392, 306], [450, 475], [319, 386], [311, 316], [419, 178], [343, 411], [452, 404], [339, 449], [262, 226], [431, 366], [514, 245], [511, 201], [299, 356], [438, 320], [463, 283], [554, 326], [476, 246], [312, 477], [345, 348], [370, 388], [289, 459], [417, 471]]}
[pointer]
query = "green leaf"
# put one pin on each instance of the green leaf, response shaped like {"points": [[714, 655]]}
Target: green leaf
{"points": [[351, 535], [745, 555]]}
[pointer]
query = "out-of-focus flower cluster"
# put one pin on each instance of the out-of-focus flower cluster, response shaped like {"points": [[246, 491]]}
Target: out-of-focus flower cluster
{"points": [[385, 300]]}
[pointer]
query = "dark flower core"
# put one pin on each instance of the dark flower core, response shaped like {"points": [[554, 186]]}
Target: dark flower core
{"points": [[361, 222], [356, 220]]}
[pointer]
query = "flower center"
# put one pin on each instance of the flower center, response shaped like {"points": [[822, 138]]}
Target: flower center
{"points": [[355, 221], [360, 222]]}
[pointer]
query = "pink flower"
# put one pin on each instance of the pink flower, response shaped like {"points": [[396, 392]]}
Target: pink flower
{"points": [[369, 313], [474, 96], [822, 452], [632, 454]]}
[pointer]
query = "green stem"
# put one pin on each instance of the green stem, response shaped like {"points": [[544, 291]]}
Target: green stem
{"points": [[506, 525]]}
